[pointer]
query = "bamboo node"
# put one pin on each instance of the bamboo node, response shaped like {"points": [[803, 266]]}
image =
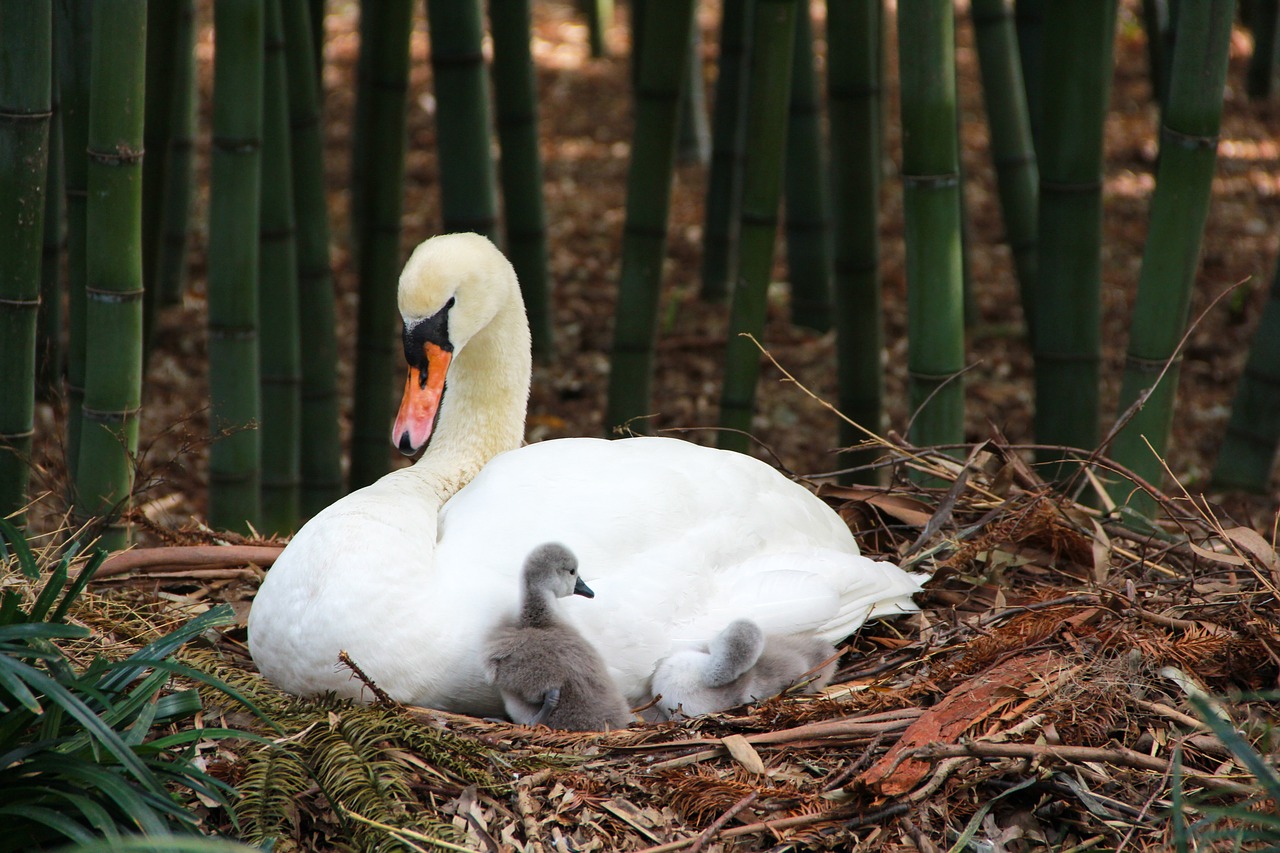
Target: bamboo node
{"points": [[98, 294], [107, 416], [121, 155]]}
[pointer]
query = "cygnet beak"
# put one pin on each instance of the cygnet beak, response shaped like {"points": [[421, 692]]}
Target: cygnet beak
{"points": [[582, 589]]}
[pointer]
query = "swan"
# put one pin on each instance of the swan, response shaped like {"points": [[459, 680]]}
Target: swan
{"points": [[545, 670], [411, 574], [741, 665]]}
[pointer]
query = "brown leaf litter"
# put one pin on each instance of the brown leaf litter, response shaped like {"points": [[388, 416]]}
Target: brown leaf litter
{"points": [[1037, 670]]}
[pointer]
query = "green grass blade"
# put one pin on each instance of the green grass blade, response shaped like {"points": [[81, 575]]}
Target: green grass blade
{"points": [[1239, 747], [18, 542], [1178, 817], [51, 818], [147, 657], [100, 731], [179, 705], [19, 691], [42, 631], [52, 587], [81, 581]]}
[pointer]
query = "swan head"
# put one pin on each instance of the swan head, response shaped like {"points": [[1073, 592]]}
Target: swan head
{"points": [[452, 287], [553, 568]]}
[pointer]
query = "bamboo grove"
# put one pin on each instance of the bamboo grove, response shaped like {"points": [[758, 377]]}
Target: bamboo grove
{"points": [[97, 121]]}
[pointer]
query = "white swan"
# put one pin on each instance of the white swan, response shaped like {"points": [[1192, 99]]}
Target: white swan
{"points": [[676, 540]]}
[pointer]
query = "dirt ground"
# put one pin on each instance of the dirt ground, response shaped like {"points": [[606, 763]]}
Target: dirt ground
{"points": [[585, 113]]}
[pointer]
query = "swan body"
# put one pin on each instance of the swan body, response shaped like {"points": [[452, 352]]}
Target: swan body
{"points": [[411, 574], [546, 672], [740, 665]]}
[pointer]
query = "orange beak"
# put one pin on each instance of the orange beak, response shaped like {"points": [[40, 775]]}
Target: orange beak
{"points": [[420, 405]]}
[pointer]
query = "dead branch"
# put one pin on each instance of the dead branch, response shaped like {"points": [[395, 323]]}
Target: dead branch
{"points": [[150, 560]]}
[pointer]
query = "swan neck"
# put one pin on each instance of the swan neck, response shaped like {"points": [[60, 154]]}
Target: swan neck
{"points": [[485, 400]]}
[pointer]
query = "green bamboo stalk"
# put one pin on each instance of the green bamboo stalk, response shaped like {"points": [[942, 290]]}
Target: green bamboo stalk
{"points": [[468, 178], [931, 211], [26, 44], [321, 438], [371, 30], [381, 102], [279, 353], [644, 237], [599, 17], [72, 21], [1012, 150], [1265, 25], [808, 205], [1066, 325], [50, 354], [162, 59], [1179, 208], [772, 46], [520, 167], [235, 458], [1155, 21], [315, 17], [1248, 450], [694, 144], [724, 181], [1029, 23], [854, 69], [175, 225], [113, 269]]}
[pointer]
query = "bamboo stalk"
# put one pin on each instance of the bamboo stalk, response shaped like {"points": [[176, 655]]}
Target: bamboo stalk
{"points": [[1012, 149], [162, 59], [854, 69], [1067, 305], [694, 143], [113, 269], [179, 173], [599, 18], [520, 167], [1029, 23], [1248, 451], [50, 353], [1179, 208], [932, 214], [772, 46], [653, 146], [26, 43], [279, 354], [379, 175], [1264, 25], [1155, 20], [724, 180], [315, 22], [808, 207], [235, 457], [321, 448], [468, 179], [72, 20]]}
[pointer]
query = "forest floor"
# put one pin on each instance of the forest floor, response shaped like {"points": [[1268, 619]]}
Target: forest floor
{"points": [[1044, 630]]}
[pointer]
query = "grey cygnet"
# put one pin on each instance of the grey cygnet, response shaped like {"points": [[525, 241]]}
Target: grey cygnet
{"points": [[741, 665], [546, 671]]}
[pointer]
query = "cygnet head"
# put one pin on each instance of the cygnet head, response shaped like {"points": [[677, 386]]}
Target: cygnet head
{"points": [[452, 287], [733, 651], [553, 568]]}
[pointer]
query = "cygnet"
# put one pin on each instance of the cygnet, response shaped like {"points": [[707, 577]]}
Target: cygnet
{"points": [[545, 670], [741, 665]]}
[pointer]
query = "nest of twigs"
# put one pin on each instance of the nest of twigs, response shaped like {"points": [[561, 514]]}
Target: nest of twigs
{"points": [[1043, 697]]}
